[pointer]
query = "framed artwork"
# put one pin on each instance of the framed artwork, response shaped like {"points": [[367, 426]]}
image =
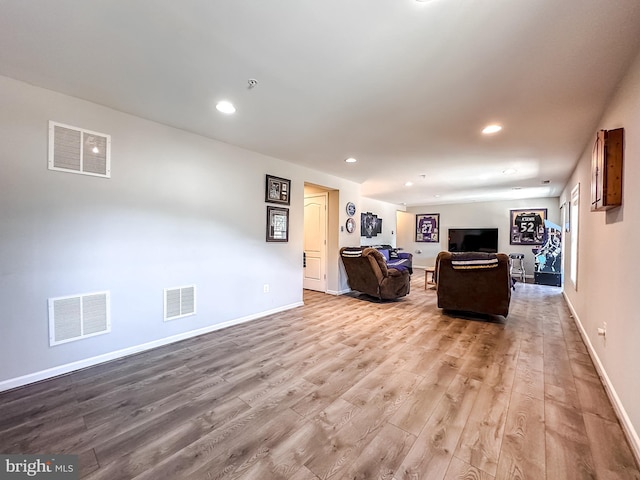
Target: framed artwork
{"points": [[428, 227], [370, 225], [527, 226], [351, 209], [351, 225], [277, 190], [277, 224]]}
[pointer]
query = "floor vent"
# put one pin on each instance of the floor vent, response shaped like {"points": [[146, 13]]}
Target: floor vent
{"points": [[77, 317], [179, 302], [77, 150]]}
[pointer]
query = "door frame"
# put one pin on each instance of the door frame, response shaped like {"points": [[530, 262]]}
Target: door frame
{"points": [[325, 242]]}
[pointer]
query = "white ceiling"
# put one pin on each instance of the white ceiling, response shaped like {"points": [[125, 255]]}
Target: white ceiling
{"points": [[405, 87]]}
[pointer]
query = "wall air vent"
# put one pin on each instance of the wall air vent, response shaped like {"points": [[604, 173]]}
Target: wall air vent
{"points": [[80, 316], [77, 150], [179, 302]]}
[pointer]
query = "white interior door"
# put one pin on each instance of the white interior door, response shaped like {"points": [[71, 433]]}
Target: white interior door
{"points": [[315, 242]]}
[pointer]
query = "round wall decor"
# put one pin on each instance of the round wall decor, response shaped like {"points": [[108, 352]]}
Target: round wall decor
{"points": [[351, 209], [351, 225]]}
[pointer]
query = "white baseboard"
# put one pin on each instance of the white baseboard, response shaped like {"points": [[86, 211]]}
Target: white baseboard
{"points": [[625, 421], [89, 362], [422, 267], [338, 292]]}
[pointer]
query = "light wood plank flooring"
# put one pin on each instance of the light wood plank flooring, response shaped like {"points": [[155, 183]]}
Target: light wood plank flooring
{"points": [[341, 388]]}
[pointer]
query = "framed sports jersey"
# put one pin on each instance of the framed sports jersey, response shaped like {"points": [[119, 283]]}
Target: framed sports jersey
{"points": [[428, 227], [527, 226]]}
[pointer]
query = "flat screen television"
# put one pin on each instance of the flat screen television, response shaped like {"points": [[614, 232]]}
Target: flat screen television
{"points": [[473, 240]]}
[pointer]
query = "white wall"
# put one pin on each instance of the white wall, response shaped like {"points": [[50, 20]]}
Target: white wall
{"points": [[476, 215], [608, 258], [178, 209], [385, 211]]}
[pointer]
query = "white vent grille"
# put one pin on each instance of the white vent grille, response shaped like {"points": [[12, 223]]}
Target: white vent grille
{"points": [[79, 316], [77, 150], [179, 302]]}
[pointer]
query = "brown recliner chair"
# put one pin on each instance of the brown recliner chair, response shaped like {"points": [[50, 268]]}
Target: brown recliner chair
{"points": [[367, 272], [478, 290]]}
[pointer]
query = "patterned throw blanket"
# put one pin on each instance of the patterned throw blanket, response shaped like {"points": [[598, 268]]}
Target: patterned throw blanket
{"points": [[473, 260]]}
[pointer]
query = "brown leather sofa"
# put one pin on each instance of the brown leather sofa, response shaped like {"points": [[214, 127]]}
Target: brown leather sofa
{"points": [[367, 272], [478, 290]]}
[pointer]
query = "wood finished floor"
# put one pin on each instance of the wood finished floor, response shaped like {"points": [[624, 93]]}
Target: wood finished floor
{"points": [[341, 388]]}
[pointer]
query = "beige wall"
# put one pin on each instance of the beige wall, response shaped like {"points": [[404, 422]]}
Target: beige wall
{"points": [[179, 209], [480, 215], [608, 257], [385, 211]]}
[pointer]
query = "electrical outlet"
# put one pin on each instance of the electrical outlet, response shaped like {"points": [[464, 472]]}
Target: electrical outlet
{"points": [[602, 331], [265, 288]]}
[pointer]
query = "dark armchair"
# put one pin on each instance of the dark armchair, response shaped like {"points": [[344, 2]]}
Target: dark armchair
{"points": [[367, 272], [475, 289]]}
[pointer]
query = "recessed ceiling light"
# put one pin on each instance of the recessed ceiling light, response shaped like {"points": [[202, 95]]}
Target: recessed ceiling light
{"points": [[489, 129], [408, 184], [225, 107], [351, 160], [437, 195]]}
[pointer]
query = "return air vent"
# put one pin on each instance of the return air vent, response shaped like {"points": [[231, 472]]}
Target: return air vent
{"points": [[76, 150], [179, 302], [76, 317]]}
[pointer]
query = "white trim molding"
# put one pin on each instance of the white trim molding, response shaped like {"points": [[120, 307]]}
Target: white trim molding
{"points": [[90, 362], [618, 407], [338, 292]]}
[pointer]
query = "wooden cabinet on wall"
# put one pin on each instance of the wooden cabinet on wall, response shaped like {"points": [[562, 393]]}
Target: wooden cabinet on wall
{"points": [[606, 170]]}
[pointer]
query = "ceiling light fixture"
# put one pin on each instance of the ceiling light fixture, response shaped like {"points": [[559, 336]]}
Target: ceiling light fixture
{"points": [[351, 160], [225, 107], [489, 129], [408, 184]]}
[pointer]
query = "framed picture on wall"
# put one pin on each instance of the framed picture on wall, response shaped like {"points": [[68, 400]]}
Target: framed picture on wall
{"points": [[428, 227], [527, 226], [370, 225], [277, 224], [277, 190]]}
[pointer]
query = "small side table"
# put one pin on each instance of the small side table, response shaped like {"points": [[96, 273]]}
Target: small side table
{"points": [[429, 283], [516, 266]]}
